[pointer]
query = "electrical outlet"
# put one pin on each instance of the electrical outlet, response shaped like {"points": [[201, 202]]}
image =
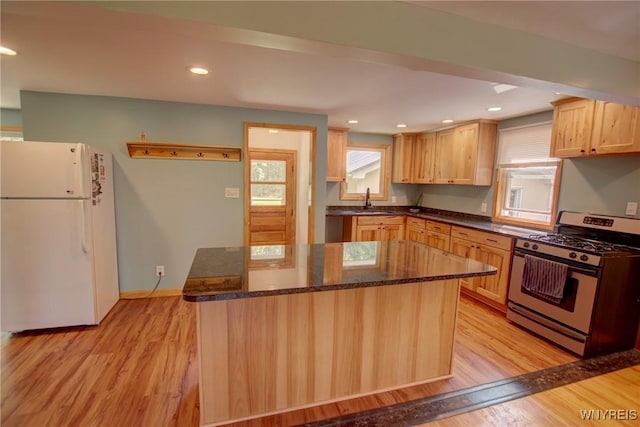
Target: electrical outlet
{"points": [[483, 207], [632, 208], [394, 199], [159, 270], [231, 193]]}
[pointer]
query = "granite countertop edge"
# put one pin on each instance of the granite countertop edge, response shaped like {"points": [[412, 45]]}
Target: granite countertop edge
{"points": [[477, 222], [223, 296]]}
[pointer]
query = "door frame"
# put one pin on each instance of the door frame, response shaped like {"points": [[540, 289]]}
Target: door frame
{"points": [[312, 163]]}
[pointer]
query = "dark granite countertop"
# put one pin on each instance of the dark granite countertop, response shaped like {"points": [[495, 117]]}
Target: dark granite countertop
{"points": [[253, 271], [454, 218]]}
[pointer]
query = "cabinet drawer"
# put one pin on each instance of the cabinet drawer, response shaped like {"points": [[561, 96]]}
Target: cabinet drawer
{"points": [[489, 239], [416, 222], [439, 227], [381, 220]]}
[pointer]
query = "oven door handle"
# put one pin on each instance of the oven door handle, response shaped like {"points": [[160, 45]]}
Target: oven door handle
{"points": [[572, 268]]}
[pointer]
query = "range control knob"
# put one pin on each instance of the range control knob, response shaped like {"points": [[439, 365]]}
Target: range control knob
{"points": [[534, 247], [583, 258], [526, 244], [573, 255]]}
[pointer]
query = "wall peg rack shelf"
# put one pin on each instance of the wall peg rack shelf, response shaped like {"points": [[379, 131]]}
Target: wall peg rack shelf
{"points": [[156, 150]]}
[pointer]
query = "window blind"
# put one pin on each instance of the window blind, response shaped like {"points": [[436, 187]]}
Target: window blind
{"points": [[525, 144]]}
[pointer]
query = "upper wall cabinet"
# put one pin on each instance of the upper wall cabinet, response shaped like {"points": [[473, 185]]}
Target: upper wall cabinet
{"points": [[584, 127], [337, 154], [464, 155], [402, 157], [424, 155], [616, 129]]}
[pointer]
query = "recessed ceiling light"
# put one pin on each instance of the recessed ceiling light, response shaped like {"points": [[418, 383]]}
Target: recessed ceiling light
{"points": [[494, 108], [401, 125], [352, 121], [273, 131], [199, 70], [447, 121], [7, 51]]}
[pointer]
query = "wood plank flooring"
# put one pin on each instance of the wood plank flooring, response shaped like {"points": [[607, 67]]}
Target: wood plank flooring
{"points": [[139, 367], [613, 398]]}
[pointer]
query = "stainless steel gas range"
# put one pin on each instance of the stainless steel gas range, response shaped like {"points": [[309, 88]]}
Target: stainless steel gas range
{"points": [[580, 285]]}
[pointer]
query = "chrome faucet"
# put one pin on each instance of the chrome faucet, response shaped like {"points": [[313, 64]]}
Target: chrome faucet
{"points": [[367, 200]]}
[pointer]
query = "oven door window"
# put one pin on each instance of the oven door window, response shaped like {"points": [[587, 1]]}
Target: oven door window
{"points": [[568, 300]]}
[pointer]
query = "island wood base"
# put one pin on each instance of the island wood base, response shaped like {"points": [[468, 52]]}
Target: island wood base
{"points": [[272, 354]]}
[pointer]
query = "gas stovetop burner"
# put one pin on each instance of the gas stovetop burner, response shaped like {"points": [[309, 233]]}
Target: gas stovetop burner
{"points": [[575, 242]]}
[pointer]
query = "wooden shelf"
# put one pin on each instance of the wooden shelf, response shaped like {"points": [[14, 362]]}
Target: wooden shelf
{"points": [[154, 150]]}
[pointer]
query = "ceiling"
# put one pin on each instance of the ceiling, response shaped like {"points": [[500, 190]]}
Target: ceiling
{"points": [[81, 49]]}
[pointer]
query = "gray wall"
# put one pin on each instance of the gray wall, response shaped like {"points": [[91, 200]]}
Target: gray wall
{"points": [[404, 193], [595, 185], [600, 185], [165, 209], [10, 117]]}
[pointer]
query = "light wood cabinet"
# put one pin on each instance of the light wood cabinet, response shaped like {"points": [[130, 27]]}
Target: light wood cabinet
{"points": [[487, 248], [464, 155], [337, 154], [432, 233], [424, 155], [584, 127], [571, 130], [416, 230], [413, 158], [402, 157], [616, 129], [372, 228], [438, 235]]}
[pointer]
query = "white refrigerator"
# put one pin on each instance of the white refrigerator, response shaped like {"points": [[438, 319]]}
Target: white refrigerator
{"points": [[58, 237]]}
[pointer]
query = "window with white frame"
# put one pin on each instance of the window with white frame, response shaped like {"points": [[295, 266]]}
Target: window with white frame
{"points": [[528, 179]]}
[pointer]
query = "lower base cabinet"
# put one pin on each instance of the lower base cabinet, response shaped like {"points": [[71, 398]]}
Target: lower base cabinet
{"points": [[487, 248], [372, 228], [432, 233]]}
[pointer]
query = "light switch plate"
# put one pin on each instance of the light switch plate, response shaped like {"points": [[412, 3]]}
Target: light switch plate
{"points": [[483, 207], [632, 208], [231, 193]]}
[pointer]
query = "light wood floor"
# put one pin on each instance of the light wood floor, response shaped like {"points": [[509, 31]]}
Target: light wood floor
{"points": [[618, 391], [138, 368]]}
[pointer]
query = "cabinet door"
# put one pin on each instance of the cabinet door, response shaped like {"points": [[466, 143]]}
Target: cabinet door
{"points": [[616, 129], [444, 168], [392, 232], [367, 233], [424, 154], [465, 249], [493, 287], [402, 158], [416, 234], [465, 147], [438, 240], [336, 155], [571, 131]]}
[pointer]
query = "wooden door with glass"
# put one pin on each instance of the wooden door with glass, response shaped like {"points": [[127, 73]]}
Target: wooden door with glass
{"points": [[271, 208]]}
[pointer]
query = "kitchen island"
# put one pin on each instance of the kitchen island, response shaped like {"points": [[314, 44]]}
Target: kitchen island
{"points": [[286, 327]]}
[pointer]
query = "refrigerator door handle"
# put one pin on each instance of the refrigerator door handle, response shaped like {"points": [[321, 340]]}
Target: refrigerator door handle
{"points": [[81, 159], [83, 226]]}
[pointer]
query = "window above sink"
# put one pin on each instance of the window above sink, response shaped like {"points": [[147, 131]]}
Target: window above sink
{"points": [[368, 166]]}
